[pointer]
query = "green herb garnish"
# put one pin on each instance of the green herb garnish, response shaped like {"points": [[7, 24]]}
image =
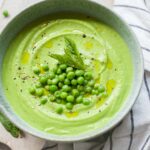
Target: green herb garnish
{"points": [[71, 57], [10, 127]]}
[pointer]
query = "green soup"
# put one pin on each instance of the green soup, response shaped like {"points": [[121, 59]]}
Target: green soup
{"points": [[107, 55]]}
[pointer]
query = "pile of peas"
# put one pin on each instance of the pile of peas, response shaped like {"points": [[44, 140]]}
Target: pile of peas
{"points": [[65, 85]]}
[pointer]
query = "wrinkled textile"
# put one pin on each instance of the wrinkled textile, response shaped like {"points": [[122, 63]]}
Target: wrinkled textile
{"points": [[133, 133]]}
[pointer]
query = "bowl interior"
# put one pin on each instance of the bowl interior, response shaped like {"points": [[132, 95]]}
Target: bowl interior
{"points": [[81, 6]]}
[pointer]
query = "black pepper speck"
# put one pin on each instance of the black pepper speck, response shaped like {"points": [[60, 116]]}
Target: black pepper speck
{"points": [[84, 35], [19, 68]]}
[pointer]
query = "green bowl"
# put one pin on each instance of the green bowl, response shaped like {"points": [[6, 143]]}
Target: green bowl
{"points": [[80, 6]]}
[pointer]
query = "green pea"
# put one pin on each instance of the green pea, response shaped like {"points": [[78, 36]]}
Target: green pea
{"points": [[39, 92], [101, 88], [74, 82], [36, 70], [60, 84], [47, 87], [38, 85], [45, 67], [5, 13], [88, 75], [51, 75], [88, 89], [96, 86], [82, 93], [85, 82], [61, 77], [55, 70], [86, 101], [63, 66], [53, 88], [80, 80], [63, 95], [59, 71], [104, 94], [91, 83], [70, 75], [67, 81], [95, 92], [64, 74], [32, 90], [59, 110], [69, 69], [66, 88], [70, 98], [63, 102], [75, 92], [43, 100], [43, 80], [57, 94], [69, 106], [80, 88], [79, 99], [49, 81], [79, 73], [55, 81], [59, 101], [52, 98]]}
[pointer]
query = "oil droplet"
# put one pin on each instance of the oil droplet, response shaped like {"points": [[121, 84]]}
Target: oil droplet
{"points": [[98, 80], [48, 44], [71, 114], [100, 102], [110, 85], [41, 69], [109, 64], [97, 65], [46, 92], [88, 45], [25, 57]]}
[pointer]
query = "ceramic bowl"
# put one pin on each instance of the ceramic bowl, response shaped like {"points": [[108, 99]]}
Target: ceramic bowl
{"points": [[89, 8]]}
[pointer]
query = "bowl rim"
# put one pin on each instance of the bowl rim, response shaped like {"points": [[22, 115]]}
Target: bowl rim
{"points": [[88, 135]]}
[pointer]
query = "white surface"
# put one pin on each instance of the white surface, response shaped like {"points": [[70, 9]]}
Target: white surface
{"points": [[28, 142]]}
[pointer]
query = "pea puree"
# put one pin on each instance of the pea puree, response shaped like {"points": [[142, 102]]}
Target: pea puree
{"points": [[103, 51]]}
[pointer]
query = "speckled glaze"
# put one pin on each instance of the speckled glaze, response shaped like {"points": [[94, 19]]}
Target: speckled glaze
{"points": [[81, 6]]}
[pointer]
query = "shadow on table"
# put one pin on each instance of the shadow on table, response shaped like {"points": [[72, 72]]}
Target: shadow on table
{"points": [[4, 147]]}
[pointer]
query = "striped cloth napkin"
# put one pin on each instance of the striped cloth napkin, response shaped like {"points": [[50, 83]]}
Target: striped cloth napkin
{"points": [[133, 133]]}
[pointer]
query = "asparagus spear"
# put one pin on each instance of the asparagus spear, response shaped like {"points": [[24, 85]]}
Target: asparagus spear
{"points": [[10, 127]]}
